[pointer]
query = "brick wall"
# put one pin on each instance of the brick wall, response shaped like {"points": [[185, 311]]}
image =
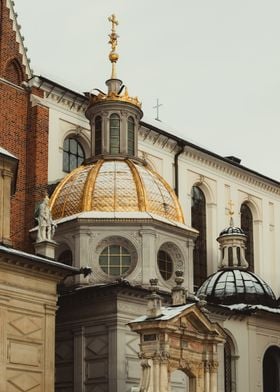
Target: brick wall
{"points": [[23, 132]]}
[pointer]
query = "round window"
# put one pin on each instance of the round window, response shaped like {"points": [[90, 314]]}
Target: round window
{"points": [[115, 260], [165, 264]]}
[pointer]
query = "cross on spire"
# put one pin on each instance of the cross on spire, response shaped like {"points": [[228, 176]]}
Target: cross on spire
{"points": [[114, 22], [158, 105], [113, 55]]}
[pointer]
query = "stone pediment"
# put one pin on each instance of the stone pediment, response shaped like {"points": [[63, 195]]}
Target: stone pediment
{"points": [[188, 318], [180, 338]]}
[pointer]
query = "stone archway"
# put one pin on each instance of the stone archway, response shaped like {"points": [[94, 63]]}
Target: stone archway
{"points": [[181, 338]]}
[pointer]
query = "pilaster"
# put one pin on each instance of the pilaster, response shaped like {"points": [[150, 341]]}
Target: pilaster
{"points": [[79, 359]]}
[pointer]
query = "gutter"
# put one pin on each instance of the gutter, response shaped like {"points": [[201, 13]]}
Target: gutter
{"points": [[176, 157]]}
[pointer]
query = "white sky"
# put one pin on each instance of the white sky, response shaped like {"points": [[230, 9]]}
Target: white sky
{"points": [[213, 64]]}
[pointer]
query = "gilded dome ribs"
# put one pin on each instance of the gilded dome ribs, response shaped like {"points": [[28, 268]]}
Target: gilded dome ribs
{"points": [[142, 198], [87, 204], [115, 186]]}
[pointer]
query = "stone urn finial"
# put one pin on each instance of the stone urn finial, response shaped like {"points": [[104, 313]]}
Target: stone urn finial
{"points": [[154, 300]]}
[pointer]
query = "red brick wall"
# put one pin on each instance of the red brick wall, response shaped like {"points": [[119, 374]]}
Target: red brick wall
{"points": [[23, 132]]}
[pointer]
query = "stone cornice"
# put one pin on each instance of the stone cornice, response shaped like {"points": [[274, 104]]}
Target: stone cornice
{"points": [[208, 159], [58, 95], [157, 139], [239, 173], [10, 258]]}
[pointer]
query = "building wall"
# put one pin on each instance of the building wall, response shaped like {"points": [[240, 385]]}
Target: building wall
{"points": [[27, 323], [252, 337]]}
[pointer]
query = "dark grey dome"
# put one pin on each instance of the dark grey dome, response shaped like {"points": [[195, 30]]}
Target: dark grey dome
{"points": [[233, 286], [232, 230]]}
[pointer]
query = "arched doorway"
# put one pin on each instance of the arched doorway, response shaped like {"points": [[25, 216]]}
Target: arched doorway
{"points": [[271, 370]]}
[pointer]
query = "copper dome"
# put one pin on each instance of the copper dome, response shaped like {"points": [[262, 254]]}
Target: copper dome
{"points": [[118, 186]]}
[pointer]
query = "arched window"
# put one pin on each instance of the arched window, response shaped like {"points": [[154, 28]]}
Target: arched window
{"points": [[73, 154], [98, 135], [13, 72], [198, 213], [271, 369], [114, 134], [115, 260], [130, 135], [230, 358], [227, 367], [165, 264], [66, 257], [247, 227]]}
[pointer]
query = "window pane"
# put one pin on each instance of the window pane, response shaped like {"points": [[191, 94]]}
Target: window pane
{"points": [[73, 146], [66, 144], [114, 134], [130, 136], [73, 162], [247, 227], [66, 162], [165, 264], [73, 154]]}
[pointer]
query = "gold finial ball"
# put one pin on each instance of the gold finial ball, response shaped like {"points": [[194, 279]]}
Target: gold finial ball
{"points": [[113, 57]]}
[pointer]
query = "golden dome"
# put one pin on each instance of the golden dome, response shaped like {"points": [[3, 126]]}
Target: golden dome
{"points": [[115, 186]]}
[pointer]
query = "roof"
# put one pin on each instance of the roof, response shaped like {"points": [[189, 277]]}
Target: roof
{"points": [[169, 132], [38, 259], [156, 126], [231, 286], [7, 153]]}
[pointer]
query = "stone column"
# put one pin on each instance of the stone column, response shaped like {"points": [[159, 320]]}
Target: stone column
{"points": [[188, 272], [211, 227], [206, 376], [148, 255], [49, 347], [214, 376], [79, 359]]}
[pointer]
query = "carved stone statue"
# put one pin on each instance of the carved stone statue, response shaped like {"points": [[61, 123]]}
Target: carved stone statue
{"points": [[46, 225]]}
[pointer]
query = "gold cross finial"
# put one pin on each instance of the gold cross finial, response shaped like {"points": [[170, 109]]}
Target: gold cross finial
{"points": [[114, 22], [113, 56]]}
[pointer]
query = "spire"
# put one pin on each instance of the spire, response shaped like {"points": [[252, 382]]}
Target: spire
{"points": [[113, 55]]}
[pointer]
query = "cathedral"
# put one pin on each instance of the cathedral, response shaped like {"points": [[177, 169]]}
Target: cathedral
{"points": [[130, 259]]}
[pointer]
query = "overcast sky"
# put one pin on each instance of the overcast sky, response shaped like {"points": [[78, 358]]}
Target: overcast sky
{"points": [[213, 64]]}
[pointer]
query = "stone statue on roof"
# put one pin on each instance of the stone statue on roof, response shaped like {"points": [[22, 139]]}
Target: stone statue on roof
{"points": [[46, 225]]}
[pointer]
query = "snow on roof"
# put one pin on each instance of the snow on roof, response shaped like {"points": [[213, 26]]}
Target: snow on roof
{"points": [[242, 307], [40, 259], [167, 313], [5, 152]]}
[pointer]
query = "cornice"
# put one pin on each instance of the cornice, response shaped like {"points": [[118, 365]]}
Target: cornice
{"points": [[233, 171], [219, 165], [157, 139]]}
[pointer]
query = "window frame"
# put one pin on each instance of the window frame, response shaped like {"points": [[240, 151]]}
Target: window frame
{"points": [[67, 167]]}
